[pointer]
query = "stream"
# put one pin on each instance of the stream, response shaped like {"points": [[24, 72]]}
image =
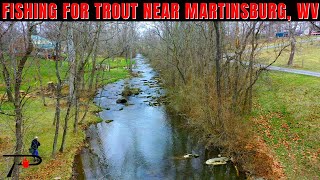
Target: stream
{"points": [[143, 141]]}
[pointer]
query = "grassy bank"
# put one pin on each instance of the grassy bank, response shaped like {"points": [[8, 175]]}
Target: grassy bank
{"points": [[287, 116], [307, 56], [48, 73], [117, 62], [283, 127], [38, 121], [276, 41]]}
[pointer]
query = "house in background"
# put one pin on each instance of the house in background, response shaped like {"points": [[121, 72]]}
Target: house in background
{"points": [[282, 34], [43, 47], [315, 33]]}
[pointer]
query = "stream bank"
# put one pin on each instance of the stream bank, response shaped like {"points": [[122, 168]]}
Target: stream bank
{"points": [[142, 140]]}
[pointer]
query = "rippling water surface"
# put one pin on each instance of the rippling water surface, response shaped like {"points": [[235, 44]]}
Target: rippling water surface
{"points": [[143, 141]]}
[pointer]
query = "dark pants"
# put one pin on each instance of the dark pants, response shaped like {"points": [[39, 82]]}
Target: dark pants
{"points": [[35, 152]]}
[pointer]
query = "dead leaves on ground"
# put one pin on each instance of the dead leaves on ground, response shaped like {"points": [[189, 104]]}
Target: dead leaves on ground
{"points": [[283, 135]]}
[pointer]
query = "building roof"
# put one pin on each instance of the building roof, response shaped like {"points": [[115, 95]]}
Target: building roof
{"points": [[42, 43]]}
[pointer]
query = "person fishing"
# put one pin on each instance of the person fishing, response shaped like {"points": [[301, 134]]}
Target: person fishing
{"points": [[34, 147]]}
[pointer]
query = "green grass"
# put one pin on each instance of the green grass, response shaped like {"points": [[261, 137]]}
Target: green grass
{"points": [[30, 73], [47, 71], [118, 62], [287, 109], [307, 56], [38, 121], [276, 41]]}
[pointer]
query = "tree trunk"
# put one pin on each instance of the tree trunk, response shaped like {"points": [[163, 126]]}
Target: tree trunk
{"points": [[292, 30], [72, 76], [58, 91], [93, 70], [57, 114], [18, 104], [41, 83], [76, 115], [6, 77], [94, 58], [72, 61], [65, 128], [236, 64], [293, 50], [5, 72], [248, 93], [218, 70], [19, 138], [130, 60]]}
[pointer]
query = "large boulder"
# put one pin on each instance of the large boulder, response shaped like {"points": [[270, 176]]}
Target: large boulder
{"points": [[218, 161]]}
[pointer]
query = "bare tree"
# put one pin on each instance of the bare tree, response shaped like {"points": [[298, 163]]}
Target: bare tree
{"points": [[18, 100], [293, 41], [58, 91], [197, 63], [72, 81], [5, 71], [218, 58], [72, 60]]}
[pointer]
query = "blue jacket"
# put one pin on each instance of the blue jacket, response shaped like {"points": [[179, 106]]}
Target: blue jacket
{"points": [[35, 144]]}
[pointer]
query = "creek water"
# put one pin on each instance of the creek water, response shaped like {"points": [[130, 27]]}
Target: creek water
{"points": [[143, 141]]}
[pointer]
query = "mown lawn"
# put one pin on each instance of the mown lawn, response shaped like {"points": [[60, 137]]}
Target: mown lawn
{"points": [[275, 41], [48, 72], [38, 121], [307, 56], [287, 116]]}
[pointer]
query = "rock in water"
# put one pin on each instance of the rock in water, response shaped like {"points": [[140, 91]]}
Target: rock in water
{"points": [[215, 163], [121, 101], [108, 121], [191, 155], [218, 161]]}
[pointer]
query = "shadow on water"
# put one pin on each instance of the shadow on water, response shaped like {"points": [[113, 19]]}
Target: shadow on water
{"points": [[143, 141]]}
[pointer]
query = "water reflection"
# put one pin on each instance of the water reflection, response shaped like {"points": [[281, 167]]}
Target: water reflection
{"points": [[142, 142]]}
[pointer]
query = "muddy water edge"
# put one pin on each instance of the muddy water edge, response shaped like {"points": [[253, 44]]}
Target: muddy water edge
{"points": [[139, 139]]}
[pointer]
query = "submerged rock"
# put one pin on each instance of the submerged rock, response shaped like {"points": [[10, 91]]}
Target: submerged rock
{"points": [[108, 121], [122, 100], [155, 104], [130, 91], [191, 156]]}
